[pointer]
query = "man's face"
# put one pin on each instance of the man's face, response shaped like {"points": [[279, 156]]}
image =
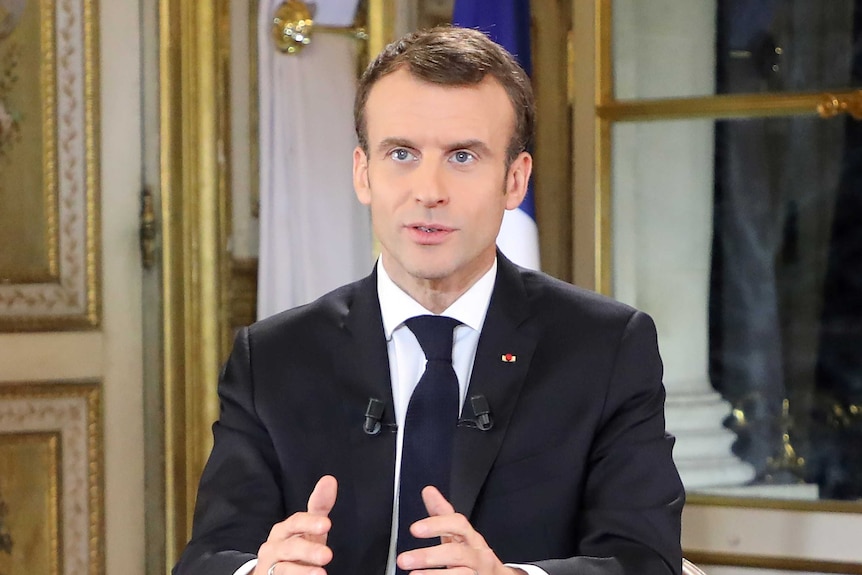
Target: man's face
{"points": [[435, 177]]}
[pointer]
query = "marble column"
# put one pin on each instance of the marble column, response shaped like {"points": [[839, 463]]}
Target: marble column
{"points": [[662, 190]]}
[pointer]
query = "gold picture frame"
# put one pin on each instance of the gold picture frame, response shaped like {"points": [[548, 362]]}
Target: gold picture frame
{"points": [[49, 196], [51, 483]]}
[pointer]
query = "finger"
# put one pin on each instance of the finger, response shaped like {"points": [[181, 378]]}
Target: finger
{"points": [[446, 555], [289, 568], [322, 498], [435, 503], [299, 550], [450, 528], [300, 523], [443, 521]]}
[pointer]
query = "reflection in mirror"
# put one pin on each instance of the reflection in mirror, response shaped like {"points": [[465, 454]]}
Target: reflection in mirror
{"points": [[743, 238], [756, 45]]}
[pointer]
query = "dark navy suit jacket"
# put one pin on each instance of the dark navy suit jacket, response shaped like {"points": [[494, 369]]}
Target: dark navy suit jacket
{"points": [[575, 475]]}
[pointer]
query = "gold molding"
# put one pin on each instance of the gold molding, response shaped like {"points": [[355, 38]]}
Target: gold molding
{"points": [[604, 19], [604, 91], [706, 558], [88, 395], [552, 152], [72, 300], [381, 25], [254, 109], [585, 131], [193, 43], [722, 106], [820, 505], [243, 292], [49, 160]]}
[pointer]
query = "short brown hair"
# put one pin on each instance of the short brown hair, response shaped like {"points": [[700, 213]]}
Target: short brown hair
{"points": [[453, 56]]}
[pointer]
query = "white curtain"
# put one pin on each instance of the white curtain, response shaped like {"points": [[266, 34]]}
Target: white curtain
{"points": [[314, 234]]}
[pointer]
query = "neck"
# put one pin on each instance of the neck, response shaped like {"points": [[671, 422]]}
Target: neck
{"points": [[437, 294]]}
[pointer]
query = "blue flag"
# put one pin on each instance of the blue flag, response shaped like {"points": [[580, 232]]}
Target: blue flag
{"points": [[507, 22]]}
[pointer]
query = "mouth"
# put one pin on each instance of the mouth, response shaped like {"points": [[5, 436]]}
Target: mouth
{"points": [[429, 233]]}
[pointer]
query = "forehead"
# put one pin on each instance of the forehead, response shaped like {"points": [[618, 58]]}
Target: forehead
{"points": [[400, 103]]}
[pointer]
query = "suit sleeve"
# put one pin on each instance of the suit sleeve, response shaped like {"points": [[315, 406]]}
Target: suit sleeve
{"points": [[239, 499], [630, 522]]}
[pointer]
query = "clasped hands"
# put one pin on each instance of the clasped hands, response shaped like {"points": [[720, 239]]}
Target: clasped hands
{"points": [[297, 545]]}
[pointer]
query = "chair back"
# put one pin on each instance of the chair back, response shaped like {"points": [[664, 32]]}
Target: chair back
{"points": [[689, 568]]}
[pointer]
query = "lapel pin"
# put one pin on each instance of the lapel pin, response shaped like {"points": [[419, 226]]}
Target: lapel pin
{"points": [[509, 358]]}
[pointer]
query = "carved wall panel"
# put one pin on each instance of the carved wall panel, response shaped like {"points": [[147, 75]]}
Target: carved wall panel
{"points": [[48, 165]]}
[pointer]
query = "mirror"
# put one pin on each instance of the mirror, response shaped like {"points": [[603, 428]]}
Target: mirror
{"points": [[742, 237]]}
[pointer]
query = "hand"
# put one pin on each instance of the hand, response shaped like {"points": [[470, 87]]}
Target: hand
{"points": [[462, 550], [297, 545]]}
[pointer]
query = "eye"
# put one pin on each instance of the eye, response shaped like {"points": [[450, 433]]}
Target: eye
{"points": [[463, 157], [401, 155]]}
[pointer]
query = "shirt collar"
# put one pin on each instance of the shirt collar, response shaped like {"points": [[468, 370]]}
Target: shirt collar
{"points": [[396, 305]]}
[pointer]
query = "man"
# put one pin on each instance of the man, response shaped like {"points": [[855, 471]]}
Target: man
{"points": [[559, 461]]}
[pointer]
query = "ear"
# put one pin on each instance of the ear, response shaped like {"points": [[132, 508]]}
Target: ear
{"points": [[517, 179], [360, 176]]}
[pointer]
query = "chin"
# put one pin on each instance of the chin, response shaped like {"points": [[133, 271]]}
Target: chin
{"points": [[431, 273], [427, 269]]}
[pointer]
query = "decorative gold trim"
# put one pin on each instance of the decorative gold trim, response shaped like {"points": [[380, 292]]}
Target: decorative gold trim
{"points": [[254, 108], [293, 27], [834, 104], [72, 301], [243, 292], [93, 154], [604, 52], [724, 106], [192, 73], [552, 153], [49, 144], [89, 393], [821, 505], [585, 137], [381, 25], [604, 209], [355, 32], [705, 558]]}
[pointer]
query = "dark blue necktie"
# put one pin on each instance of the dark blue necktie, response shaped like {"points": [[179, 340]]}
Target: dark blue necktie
{"points": [[429, 428]]}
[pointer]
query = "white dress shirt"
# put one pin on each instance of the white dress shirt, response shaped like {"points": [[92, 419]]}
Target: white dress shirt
{"points": [[407, 363]]}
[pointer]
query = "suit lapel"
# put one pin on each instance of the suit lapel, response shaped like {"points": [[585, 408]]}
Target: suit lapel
{"points": [[371, 458], [506, 331]]}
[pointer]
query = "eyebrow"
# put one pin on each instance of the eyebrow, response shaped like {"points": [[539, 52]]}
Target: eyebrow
{"points": [[396, 142], [477, 145]]}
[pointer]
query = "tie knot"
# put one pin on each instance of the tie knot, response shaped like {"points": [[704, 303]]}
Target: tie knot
{"points": [[435, 334]]}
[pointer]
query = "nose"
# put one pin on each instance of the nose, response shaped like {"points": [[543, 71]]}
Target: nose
{"points": [[429, 187]]}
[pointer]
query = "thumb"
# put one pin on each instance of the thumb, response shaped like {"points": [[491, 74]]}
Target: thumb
{"points": [[321, 501], [322, 498]]}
